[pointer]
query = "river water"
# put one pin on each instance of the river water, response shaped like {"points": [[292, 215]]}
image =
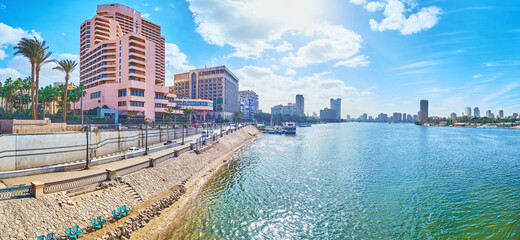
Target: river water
{"points": [[365, 181]]}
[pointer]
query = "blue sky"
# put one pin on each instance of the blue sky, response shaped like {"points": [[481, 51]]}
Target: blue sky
{"points": [[378, 56]]}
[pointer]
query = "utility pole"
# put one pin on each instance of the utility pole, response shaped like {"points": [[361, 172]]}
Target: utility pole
{"points": [[182, 134], [88, 160], [81, 106]]}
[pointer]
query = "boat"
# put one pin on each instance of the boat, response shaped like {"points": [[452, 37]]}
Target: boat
{"points": [[304, 125], [289, 128]]}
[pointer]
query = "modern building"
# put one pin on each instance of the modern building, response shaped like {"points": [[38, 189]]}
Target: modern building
{"points": [[488, 113], [328, 114], [467, 112], [453, 116], [415, 118], [364, 117], [336, 105], [217, 84], [500, 114], [248, 103], [382, 117], [348, 117], [476, 112], [397, 117], [423, 111], [122, 63], [200, 107], [281, 109], [515, 115], [404, 117], [300, 105]]}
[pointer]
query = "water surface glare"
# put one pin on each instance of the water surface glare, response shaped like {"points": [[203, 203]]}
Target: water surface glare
{"points": [[365, 181]]}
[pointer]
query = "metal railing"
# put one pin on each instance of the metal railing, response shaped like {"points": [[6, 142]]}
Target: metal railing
{"points": [[16, 192], [68, 184]]}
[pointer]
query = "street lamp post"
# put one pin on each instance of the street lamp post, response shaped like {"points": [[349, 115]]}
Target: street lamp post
{"points": [[182, 134], [87, 159], [146, 139]]}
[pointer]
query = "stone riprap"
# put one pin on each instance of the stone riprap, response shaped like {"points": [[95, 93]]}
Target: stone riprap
{"points": [[28, 218]]}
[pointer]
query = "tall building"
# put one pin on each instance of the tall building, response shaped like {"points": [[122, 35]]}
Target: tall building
{"points": [[500, 113], [453, 116], [488, 113], [300, 104], [467, 111], [423, 112], [404, 117], [248, 103], [122, 63], [281, 109], [397, 117], [476, 112], [348, 117], [328, 114], [364, 117], [336, 105], [383, 117], [217, 84]]}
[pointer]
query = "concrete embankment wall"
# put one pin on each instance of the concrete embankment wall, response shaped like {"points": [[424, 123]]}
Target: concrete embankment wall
{"points": [[22, 151], [29, 217]]}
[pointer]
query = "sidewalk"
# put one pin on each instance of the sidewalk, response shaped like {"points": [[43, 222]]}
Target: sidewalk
{"points": [[57, 176]]}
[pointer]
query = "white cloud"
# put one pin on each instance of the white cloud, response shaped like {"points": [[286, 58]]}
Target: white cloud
{"points": [[157, 9], [176, 61], [290, 71], [285, 46], [317, 88], [69, 56], [476, 76], [9, 73], [420, 64], [357, 61], [335, 42], [145, 15], [275, 67], [63, 34], [251, 27], [395, 19], [11, 36], [503, 91]]}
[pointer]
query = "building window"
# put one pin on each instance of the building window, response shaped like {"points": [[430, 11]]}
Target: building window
{"points": [[137, 92], [121, 103], [159, 96], [88, 23], [160, 105], [88, 27], [136, 104], [95, 95], [121, 92]]}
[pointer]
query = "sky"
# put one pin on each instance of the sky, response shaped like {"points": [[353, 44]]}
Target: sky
{"points": [[377, 56]]}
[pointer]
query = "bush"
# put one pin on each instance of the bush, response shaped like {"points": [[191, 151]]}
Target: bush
{"points": [[98, 118]]}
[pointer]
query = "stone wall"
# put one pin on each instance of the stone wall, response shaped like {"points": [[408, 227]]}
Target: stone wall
{"points": [[34, 126], [22, 151], [29, 217]]}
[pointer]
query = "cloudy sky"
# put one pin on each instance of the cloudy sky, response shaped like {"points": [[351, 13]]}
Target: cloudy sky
{"points": [[377, 55]]}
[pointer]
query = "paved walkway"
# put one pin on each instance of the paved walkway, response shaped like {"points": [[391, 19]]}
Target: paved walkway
{"points": [[57, 176]]}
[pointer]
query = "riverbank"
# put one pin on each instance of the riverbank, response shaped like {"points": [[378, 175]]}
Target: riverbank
{"points": [[162, 226], [150, 187]]}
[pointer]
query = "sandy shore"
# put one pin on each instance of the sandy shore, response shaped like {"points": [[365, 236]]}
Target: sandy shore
{"points": [[162, 226]]}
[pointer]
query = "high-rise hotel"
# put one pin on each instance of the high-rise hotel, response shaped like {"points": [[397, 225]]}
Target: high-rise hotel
{"points": [[122, 63], [217, 84]]}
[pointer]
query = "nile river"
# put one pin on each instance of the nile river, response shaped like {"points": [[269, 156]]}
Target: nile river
{"points": [[365, 181]]}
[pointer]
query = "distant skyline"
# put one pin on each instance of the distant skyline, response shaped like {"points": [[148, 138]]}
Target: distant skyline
{"points": [[377, 56]]}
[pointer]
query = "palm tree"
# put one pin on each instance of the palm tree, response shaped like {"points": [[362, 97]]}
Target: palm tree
{"points": [[29, 49], [66, 66], [188, 112], [26, 87], [18, 86], [40, 61], [237, 115], [8, 93]]}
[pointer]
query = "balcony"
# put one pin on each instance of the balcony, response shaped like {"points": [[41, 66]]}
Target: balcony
{"points": [[133, 59]]}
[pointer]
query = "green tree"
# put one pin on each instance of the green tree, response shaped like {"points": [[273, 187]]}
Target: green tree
{"points": [[237, 115], [188, 112], [67, 67]]}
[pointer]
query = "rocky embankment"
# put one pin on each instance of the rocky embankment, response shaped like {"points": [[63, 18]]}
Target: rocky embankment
{"points": [[28, 218]]}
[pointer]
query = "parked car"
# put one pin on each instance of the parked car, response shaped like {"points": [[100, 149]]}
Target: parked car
{"points": [[169, 142], [133, 149]]}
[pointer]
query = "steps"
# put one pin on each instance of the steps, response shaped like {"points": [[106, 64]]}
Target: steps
{"points": [[128, 189]]}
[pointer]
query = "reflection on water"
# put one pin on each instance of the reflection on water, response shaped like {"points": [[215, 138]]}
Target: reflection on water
{"points": [[365, 181]]}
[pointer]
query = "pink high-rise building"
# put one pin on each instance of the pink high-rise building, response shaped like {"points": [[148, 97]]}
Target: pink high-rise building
{"points": [[122, 63]]}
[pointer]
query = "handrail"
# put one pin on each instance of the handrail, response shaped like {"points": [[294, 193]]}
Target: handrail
{"points": [[15, 192]]}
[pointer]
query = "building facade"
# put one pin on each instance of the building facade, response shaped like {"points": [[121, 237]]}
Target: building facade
{"points": [[500, 114], [423, 111], [336, 105], [300, 104], [488, 113], [281, 109], [122, 63], [476, 112], [248, 103], [328, 114], [217, 84], [467, 112]]}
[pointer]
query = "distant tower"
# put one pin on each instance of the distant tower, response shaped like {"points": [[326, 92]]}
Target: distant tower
{"points": [[423, 111], [467, 112], [500, 113], [300, 104], [476, 112], [336, 105], [488, 113]]}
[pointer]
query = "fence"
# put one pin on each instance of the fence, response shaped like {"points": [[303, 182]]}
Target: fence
{"points": [[69, 184], [16, 192]]}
